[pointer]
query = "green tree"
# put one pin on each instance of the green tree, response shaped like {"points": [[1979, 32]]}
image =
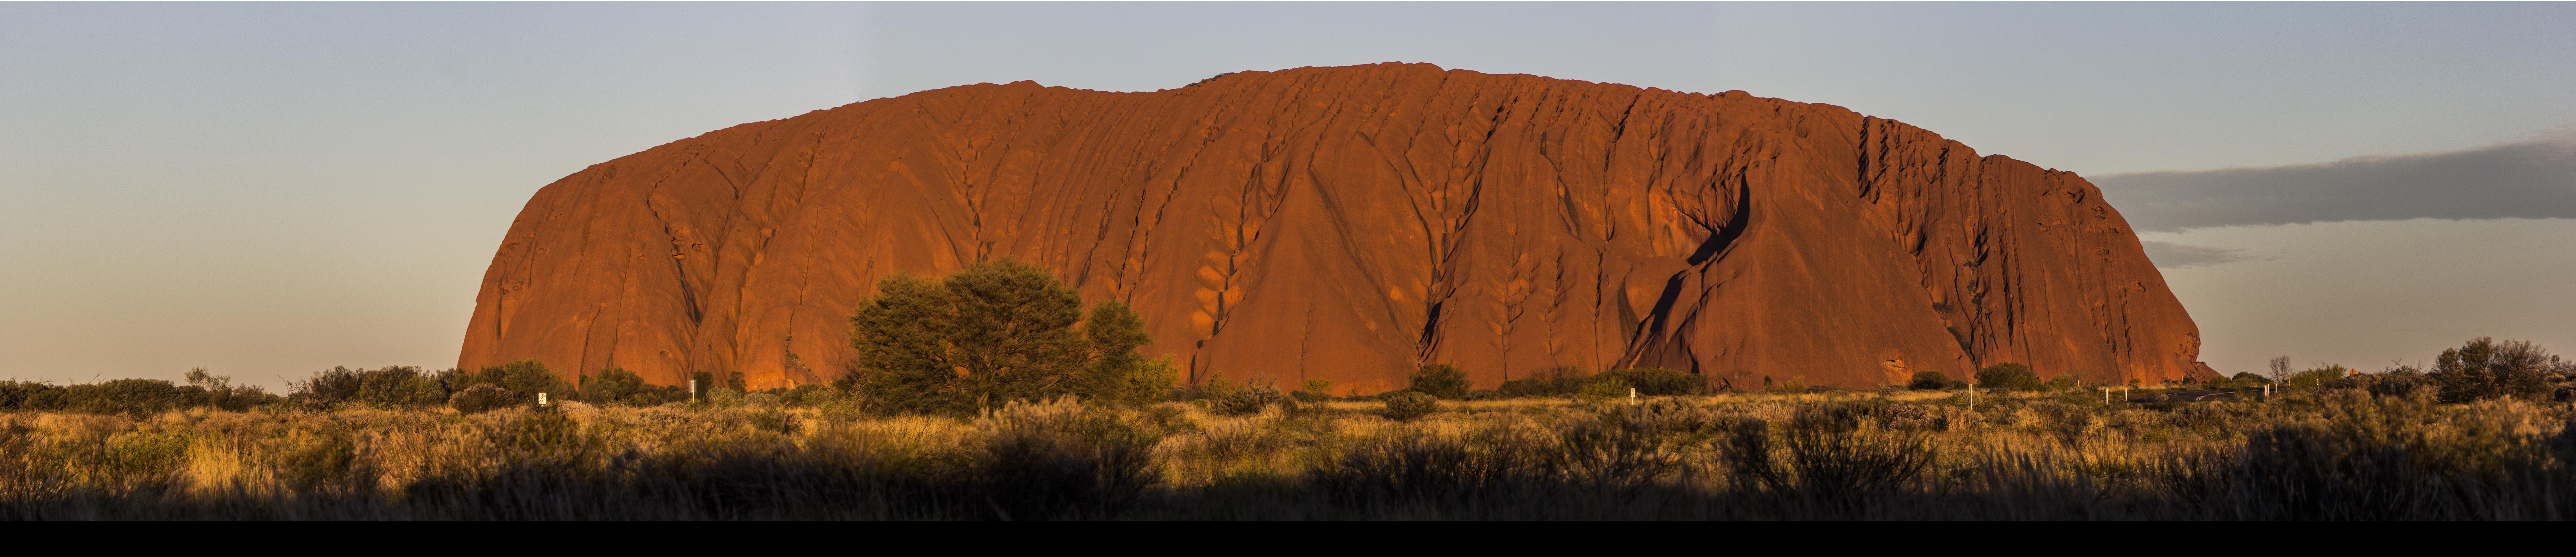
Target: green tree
{"points": [[1117, 373], [989, 334], [1440, 380], [2486, 368]]}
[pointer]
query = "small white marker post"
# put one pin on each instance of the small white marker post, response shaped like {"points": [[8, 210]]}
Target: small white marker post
{"points": [[541, 399], [1632, 392], [693, 390], [1972, 396]]}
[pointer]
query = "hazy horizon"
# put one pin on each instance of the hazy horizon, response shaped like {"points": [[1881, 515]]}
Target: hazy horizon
{"points": [[272, 189]]}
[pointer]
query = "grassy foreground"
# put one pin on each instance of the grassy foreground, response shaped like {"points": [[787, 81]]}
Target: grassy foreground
{"points": [[2327, 454]]}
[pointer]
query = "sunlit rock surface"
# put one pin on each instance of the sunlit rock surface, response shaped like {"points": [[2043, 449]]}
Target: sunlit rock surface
{"points": [[1350, 223]]}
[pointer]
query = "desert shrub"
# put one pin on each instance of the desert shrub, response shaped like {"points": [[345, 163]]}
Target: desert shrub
{"points": [[2403, 381], [481, 398], [1792, 386], [1605, 390], [995, 332], [2329, 376], [1833, 458], [2058, 383], [1316, 389], [386, 387], [2008, 377], [547, 431], [1145, 383], [399, 387], [2249, 379], [1659, 416], [1930, 381], [1749, 455], [2486, 368], [1060, 459], [807, 395], [2400, 457], [335, 385], [724, 397], [129, 396], [617, 386], [223, 395], [522, 379], [1207, 388], [326, 459], [1624, 451], [1409, 405], [773, 420], [1248, 400], [25, 395], [133, 396], [1655, 381], [706, 381], [762, 400], [1484, 394], [1440, 380], [1551, 381]]}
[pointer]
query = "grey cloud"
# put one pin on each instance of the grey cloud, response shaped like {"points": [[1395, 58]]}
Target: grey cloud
{"points": [[2168, 255], [2525, 179]]}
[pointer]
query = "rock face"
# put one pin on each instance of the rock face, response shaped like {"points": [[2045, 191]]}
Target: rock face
{"points": [[1350, 223]]}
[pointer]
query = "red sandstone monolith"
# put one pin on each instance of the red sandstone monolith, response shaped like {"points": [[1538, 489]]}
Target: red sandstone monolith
{"points": [[1350, 223]]}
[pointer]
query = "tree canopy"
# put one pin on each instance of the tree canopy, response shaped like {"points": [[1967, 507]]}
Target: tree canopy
{"points": [[992, 333]]}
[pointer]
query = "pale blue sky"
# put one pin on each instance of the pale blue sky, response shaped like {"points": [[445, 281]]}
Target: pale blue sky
{"points": [[269, 189]]}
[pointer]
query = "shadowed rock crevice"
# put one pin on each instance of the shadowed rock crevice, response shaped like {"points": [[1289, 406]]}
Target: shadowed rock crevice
{"points": [[1348, 224]]}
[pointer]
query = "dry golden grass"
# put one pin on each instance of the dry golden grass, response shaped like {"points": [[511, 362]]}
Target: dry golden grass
{"points": [[1837, 454]]}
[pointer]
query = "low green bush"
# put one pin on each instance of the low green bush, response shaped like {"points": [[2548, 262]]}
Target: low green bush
{"points": [[2008, 377], [1655, 381], [807, 396], [1440, 380], [482, 398], [523, 379], [2059, 383], [1551, 381], [617, 386], [1606, 390], [386, 387], [1409, 405], [1315, 390], [1933, 381], [1247, 400]]}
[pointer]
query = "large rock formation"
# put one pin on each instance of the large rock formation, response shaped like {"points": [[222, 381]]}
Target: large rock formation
{"points": [[1349, 223]]}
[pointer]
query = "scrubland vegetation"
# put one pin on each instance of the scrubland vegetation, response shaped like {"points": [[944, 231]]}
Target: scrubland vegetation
{"points": [[992, 395], [2332, 452]]}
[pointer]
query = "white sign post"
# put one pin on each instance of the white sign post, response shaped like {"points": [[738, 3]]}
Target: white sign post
{"points": [[693, 390], [541, 399]]}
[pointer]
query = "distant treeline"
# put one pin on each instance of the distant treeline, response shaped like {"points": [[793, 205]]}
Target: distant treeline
{"points": [[395, 387], [1005, 331]]}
